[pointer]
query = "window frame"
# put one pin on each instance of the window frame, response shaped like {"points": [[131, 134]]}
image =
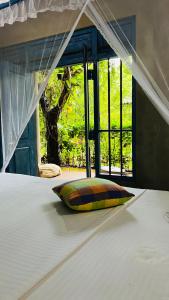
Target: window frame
{"points": [[9, 3], [119, 177], [97, 49]]}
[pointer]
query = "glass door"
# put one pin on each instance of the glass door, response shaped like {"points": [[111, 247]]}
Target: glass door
{"points": [[114, 142]]}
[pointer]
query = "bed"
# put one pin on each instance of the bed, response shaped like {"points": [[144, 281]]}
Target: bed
{"points": [[48, 252]]}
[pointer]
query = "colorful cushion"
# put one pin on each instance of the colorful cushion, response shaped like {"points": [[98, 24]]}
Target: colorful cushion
{"points": [[92, 193]]}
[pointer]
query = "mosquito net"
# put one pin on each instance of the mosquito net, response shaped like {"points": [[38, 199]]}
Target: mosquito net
{"points": [[20, 93], [148, 57], [21, 88]]}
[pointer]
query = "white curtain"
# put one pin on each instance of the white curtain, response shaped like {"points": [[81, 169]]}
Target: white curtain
{"points": [[18, 67], [23, 10]]}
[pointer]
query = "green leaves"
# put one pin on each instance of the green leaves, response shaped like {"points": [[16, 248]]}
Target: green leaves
{"points": [[71, 123]]}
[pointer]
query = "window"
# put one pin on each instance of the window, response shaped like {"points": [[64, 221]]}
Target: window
{"points": [[6, 3], [116, 118], [110, 107]]}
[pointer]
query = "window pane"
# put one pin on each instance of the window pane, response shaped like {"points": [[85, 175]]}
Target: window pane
{"points": [[115, 93], [127, 98], [72, 122], [92, 153], [118, 150], [104, 153], [103, 93], [115, 153], [127, 153]]}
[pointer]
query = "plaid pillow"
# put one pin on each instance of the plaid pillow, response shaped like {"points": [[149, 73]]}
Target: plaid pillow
{"points": [[92, 193]]}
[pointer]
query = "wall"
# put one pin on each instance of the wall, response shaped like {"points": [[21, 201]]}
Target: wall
{"points": [[38, 28], [152, 133], [152, 43]]}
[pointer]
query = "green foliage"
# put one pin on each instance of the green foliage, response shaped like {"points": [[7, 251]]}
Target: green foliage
{"points": [[71, 123]]}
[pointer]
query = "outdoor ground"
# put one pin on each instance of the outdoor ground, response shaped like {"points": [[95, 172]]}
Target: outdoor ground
{"points": [[74, 173]]}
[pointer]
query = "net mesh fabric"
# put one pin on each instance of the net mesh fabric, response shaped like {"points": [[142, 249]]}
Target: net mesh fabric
{"points": [[23, 9], [20, 92], [101, 14], [148, 62]]}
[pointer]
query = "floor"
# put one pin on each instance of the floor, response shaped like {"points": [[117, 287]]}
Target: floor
{"points": [[74, 173]]}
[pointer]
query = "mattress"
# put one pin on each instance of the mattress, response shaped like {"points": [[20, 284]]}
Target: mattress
{"points": [[128, 258], [48, 252]]}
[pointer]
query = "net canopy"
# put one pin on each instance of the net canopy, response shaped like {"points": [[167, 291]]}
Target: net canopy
{"points": [[20, 62]]}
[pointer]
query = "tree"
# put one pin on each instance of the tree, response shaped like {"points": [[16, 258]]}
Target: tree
{"points": [[52, 111], [71, 121]]}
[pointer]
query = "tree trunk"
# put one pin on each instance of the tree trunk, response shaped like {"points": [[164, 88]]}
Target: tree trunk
{"points": [[53, 145], [52, 116]]}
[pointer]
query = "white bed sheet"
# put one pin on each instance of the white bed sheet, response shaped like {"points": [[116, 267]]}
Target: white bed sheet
{"points": [[128, 258], [37, 234]]}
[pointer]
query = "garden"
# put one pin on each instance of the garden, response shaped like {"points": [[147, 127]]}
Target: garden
{"points": [[62, 116]]}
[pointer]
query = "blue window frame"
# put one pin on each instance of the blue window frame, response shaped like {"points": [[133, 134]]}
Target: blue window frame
{"points": [[98, 51], [8, 3]]}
